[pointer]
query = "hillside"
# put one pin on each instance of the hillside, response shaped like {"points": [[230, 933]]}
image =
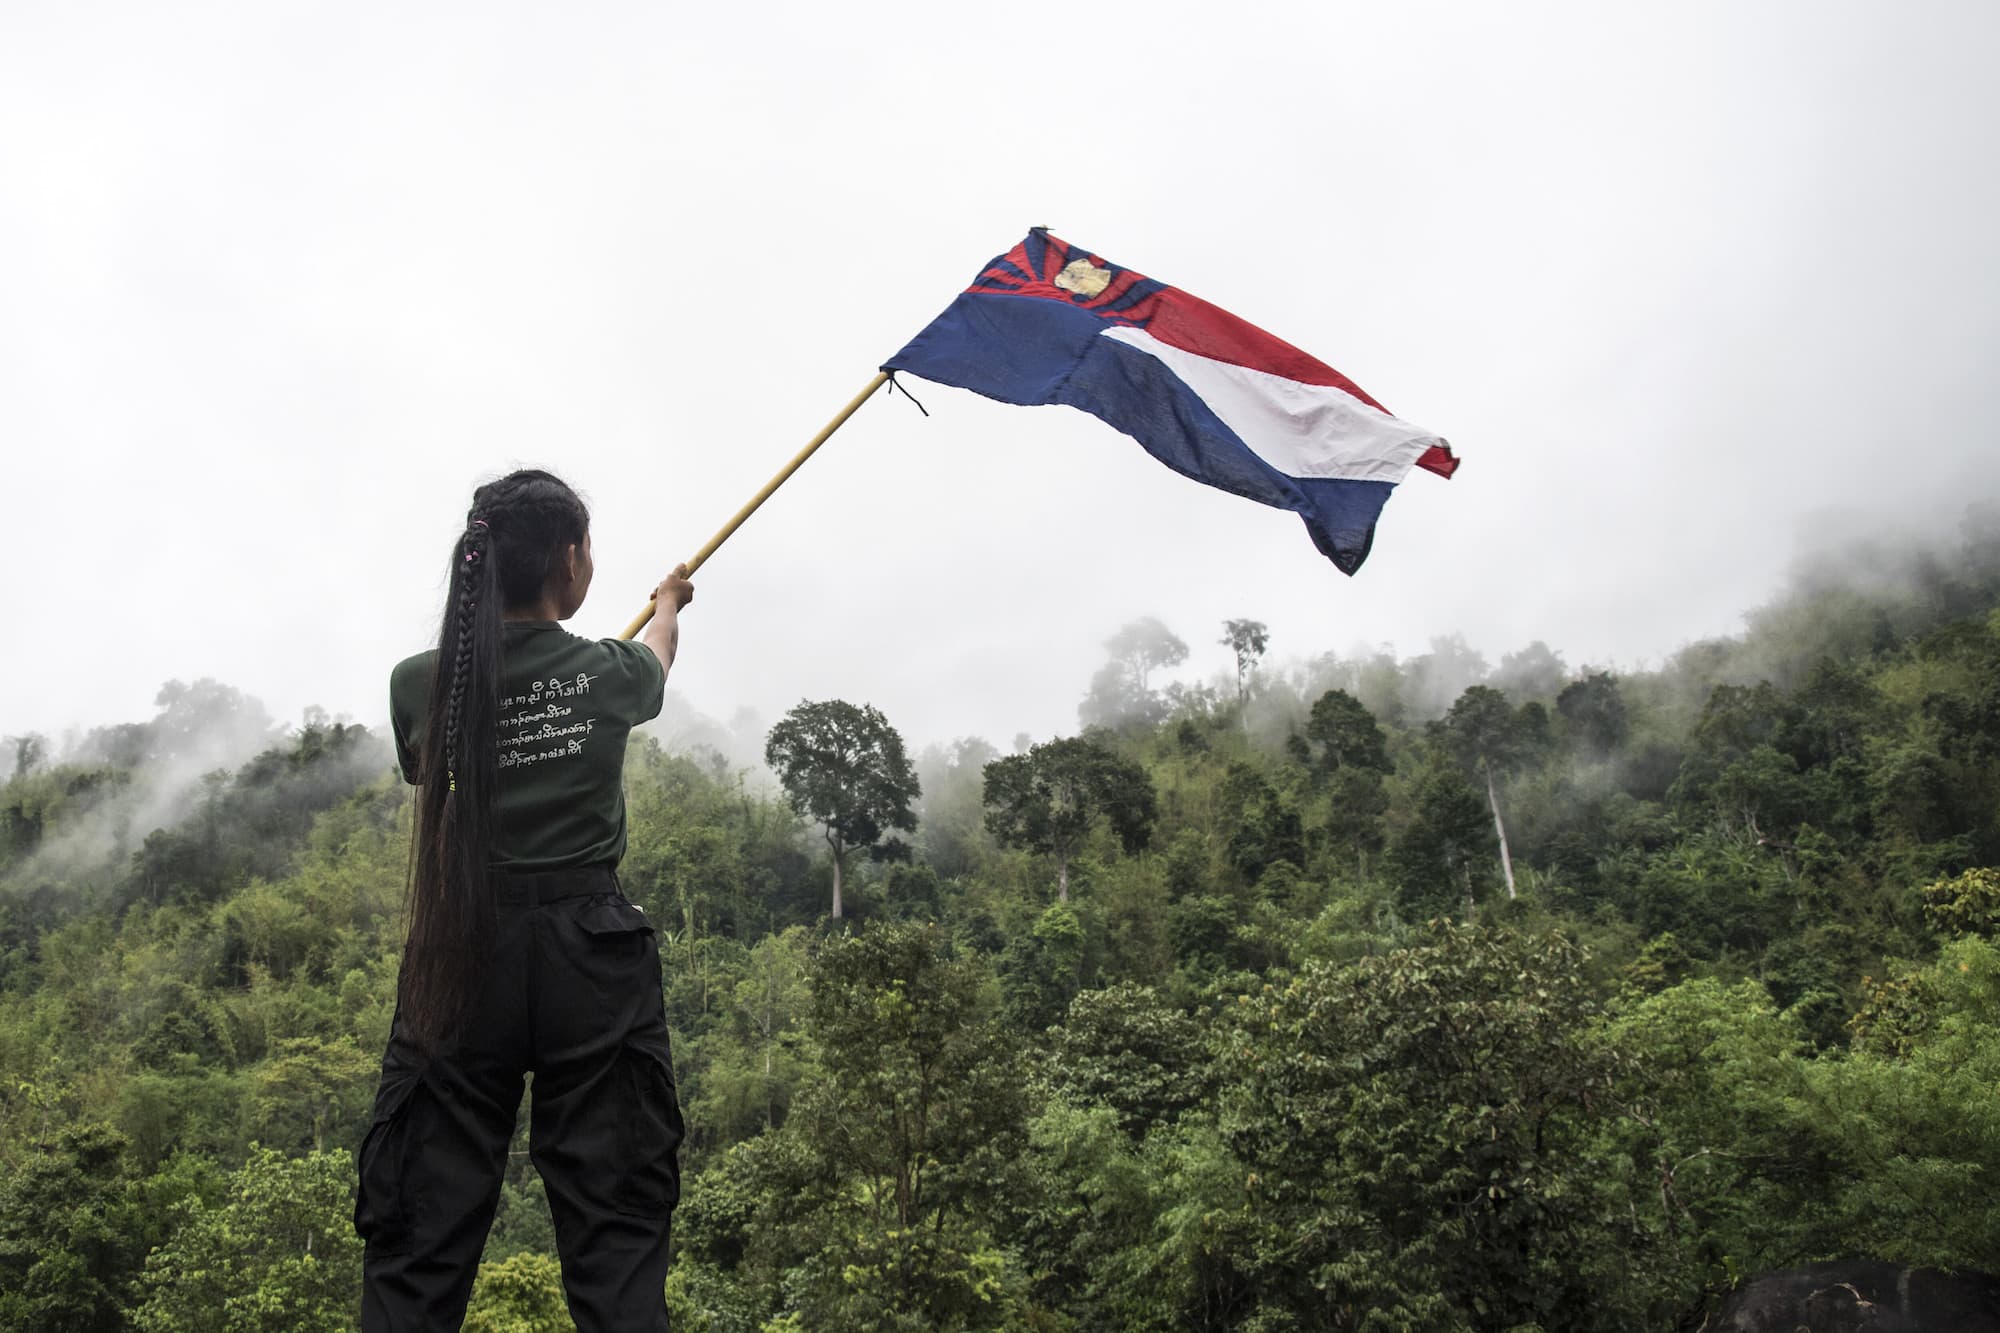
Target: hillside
{"points": [[1267, 1033]]}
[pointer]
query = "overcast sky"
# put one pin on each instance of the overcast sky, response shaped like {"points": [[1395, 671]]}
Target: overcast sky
{"points": [[1685, 284]]}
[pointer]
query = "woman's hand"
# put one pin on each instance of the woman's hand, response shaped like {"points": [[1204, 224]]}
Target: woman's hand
{"points": [[674, 590]]}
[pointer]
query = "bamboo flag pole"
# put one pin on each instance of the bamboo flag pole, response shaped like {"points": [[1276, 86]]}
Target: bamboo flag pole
{"points": [[881, 378]]}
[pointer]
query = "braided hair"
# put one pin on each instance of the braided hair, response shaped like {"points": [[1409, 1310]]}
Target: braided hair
{"points": [[516, 532]]}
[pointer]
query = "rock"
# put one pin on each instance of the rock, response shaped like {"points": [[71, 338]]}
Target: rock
{"points": [[1861, 1296]]}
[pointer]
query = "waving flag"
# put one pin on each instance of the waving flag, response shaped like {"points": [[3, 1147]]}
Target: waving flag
{"points": [[1211, 396]]}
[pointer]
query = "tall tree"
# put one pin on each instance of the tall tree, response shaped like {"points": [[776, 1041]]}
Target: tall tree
{"points": [[1442, 853], [1535, 672], [1121, 693], [1490, 738], [1247, 639], [1048, 799], [1346, 734], [1347, 753], [30, 749], [1144, 646], [949, 839], [1263, 826], [1593, 714], [844, 767]]}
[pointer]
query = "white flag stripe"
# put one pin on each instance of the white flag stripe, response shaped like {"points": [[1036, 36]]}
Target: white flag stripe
{"points": [[1302, 430]]}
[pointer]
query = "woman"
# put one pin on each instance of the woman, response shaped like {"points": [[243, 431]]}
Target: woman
{"points": [[522, 953]]}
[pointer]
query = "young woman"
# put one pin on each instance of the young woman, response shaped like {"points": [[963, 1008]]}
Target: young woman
{"points": [[523, 956]]}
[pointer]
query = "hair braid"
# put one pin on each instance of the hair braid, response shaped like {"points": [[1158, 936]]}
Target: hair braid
{"points": [[461, 662], [516, 532]]}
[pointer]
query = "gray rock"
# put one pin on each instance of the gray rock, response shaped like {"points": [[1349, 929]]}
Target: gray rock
{"points": [[1861, 1296]]}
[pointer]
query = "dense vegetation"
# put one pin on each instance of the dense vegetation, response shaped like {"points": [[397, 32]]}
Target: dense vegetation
{"points": [[1351, 994]]}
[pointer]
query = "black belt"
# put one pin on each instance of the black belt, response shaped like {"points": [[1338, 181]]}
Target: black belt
{"points": [[520, 888]]}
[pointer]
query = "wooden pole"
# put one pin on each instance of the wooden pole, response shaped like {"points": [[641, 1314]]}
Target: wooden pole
{"points": [[881, 378]]}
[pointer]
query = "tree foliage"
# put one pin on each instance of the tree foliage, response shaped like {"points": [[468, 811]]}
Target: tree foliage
{"points": [[844, 766], [1285, 1059], [1047, 800], [278, 1251], [1121, 694], [1412, 1133], [1246, 641]]}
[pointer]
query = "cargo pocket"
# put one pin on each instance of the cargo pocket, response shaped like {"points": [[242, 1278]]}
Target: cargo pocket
{"points": [[650, 1136], [607, 944], [615, 927], [383, 1208]]}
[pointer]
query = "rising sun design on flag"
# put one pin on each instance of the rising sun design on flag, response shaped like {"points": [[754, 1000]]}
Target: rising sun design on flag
{"points": [[1054, 270]]}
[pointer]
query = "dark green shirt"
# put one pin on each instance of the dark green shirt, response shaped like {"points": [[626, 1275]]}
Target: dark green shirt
{"points": [[566, 708]]}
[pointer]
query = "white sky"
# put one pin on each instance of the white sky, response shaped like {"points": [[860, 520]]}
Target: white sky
{"points": [[281, 282]]}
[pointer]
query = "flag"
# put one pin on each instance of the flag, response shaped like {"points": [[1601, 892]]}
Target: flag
{"points": [[1213, 397]]}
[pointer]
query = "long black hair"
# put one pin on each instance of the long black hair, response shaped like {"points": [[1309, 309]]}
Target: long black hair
{"points": [[518, 529]]}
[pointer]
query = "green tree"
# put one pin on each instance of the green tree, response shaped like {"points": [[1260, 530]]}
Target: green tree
{"points": [[1489, 737], [1127, 1049], [1344, 734], [873, 1205], [1535, 672], [1092, 1221], [1121, 693], [1047, 800], [193, 718], [35, 805], [1593, 714], [949, 830], [1769, 1157], [1144, 646], [758, 1060], [919, 1093], [1042, 968], [1734, 769], [1413, 1132], [1715, 1084], [310, 1085], [1906, 1134], [30, 750], [69, 1243], [521, 1294], [844, 767], [279, 1252], [1246, 641], [1263, 826], [1442, 853], [1348, 756], [1966, 905]]}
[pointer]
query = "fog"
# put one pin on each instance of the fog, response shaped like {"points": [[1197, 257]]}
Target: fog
{"points": [[115, 784]]}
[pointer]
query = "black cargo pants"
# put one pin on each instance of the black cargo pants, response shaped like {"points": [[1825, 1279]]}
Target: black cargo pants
{"points": [[574, 996]]}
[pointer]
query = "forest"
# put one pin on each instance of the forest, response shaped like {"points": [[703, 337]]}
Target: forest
{"points": [[1334, 992]]}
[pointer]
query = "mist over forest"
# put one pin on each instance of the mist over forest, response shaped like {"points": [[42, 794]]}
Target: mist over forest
{"points": [[1330, 990]]}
